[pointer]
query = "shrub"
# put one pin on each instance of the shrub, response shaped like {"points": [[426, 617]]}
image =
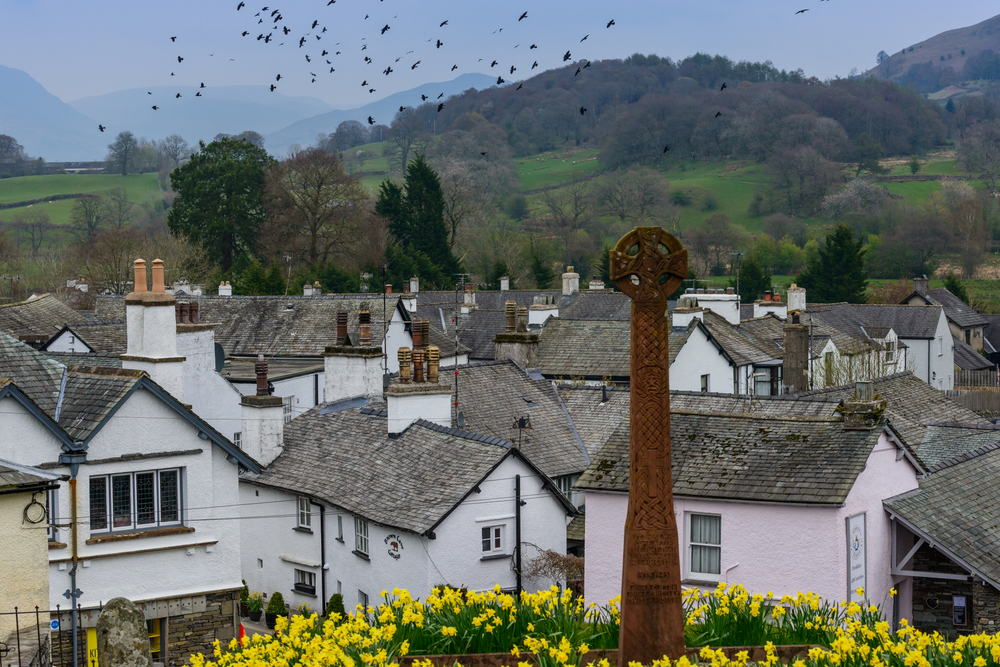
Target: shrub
{"points": [[244, 592], [6, 174], [709, 202], [336, 606], [680, 197], [276, 605]]}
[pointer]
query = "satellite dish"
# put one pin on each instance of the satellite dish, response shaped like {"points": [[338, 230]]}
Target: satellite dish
{"points": [[220, 358], [460, 419]]}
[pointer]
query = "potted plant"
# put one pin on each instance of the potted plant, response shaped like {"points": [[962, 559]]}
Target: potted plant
{"points": [[244, 599], [255, 606], [275, 608]]}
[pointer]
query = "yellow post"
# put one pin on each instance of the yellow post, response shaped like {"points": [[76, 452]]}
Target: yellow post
{"points": [[92, 647]]}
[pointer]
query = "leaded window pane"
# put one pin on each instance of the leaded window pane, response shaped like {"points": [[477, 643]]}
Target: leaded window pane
{"points": [[121, 501], [98, 503], [170, 509], [145, 498]]}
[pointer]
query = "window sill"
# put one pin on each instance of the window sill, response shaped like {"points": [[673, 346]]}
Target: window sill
{"points": [[700, 582], [339, 539], [361, 554], [57, 545], [310, 592], [303, 529], [495, 557], [140, 534]]}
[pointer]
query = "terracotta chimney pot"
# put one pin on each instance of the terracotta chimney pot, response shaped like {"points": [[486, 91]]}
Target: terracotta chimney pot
{"points": [[341, 326], [418, 366], [767, 295], [260, 368], [433, 362], [365, 322], [140, 276], [403, 356], [388, 288], [195, 318], [158, 287]]}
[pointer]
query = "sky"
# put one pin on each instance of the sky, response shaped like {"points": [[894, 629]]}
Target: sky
{"points": [[78, 49]]}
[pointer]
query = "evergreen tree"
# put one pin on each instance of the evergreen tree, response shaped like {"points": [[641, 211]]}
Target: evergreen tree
{"points": [[956, 287], [416, 218], [950, 106], [499, 271], [604, 267], [752, 280], [837, 271], [541, 272]]}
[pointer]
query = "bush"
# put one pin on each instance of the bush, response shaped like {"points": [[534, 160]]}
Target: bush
{"points": [[336, 606], [276, 605], [680, 197], [709, 202], [244, 592], [6, 174]]}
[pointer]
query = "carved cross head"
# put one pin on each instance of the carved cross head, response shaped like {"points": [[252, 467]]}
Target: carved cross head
{"points": [[648, 264]]}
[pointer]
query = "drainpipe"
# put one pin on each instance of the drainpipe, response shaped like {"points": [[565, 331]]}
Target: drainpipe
{"points": [[322, 551], [517, 531], [73, 458]]}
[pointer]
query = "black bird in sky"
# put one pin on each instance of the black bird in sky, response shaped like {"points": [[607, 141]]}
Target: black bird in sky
{"points": [[330, 3], [171, 74], [315, 23], [443, 24], [368, 60], [718, 114], [364, 84], [493, 64], [371, 121], [610, 23], [567, 56], [578, 70], [371, 90], [178, 96], [384, 28], [454, 67], [440, 43], [308, 60], [274, 12], [440, 106], [366, 17], [331, 70], [414, 65], [441, 95], [801, 10], [666, 148], [240, 6], [523, 16], [285, 29], [387, 71], [324, 52], [277, 78], [273, 87], [267, 39], [401, 108], [723, 86], [202, 85], [583, 110], [423, 98], [149, 92], [155, 107], [100, 127], [587, 65], [246, 32], [179, 59], [500, 80], [585, 38], [260, 37], [197, 94], [324, 29], [512, 69], [173, 39], [484, 153], [534, 65], [312, 73], [519, 86], [533, 46], [301, 42]]}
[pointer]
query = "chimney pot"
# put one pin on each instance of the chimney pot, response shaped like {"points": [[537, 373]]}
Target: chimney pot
{"points": [[433, 363], [388, 288], [730, 290], [767, 295], [522, 319], [417, 333], [403, 356], [510, 315], [158, 286], [365, 322], [341, 326], [140, 276], [700, 290], [776, 298], [418, 366], [414, 285], [195, 317], [504, 283], [260, 368]]}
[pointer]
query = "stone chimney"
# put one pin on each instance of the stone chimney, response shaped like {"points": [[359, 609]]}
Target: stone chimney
{"points": [[307, 290], [864, 409], [796, 298], [263, 420], [687, 309], [225, 289], [542, 309], [414, 285], [418, 394], [504, 283], [770, 304], [351, 371], [795, 371], [156, 354], [516, 342], [595, 283], [921, 285], [570, 282]]}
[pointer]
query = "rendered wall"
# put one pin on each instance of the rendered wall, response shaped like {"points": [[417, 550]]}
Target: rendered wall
{"points": [[699, 357], [24, 576], [210, 395], [67, 342]]}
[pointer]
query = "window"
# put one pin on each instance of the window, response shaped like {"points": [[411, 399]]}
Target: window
{"points": [[704, 384], [305, 513], [361, 536], [890, 351], [157, 640], [238, 439], [705, 544], [493, 539], [52, 501], [767, 381], [305, 582], [968, 337], [363, 599], [940, 346], [134, 501], [260, 563], [340, 528], [72, 339], [286, 407], [566, 483]]}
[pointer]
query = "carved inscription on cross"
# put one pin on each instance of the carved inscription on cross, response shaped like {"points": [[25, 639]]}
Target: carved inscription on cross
{"points": [[648, 264]]}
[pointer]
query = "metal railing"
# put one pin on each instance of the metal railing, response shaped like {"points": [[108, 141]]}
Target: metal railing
{"points": [[42, 637]]}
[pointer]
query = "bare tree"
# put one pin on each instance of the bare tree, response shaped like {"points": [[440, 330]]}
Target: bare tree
{"points": [[118, 210], [979, 150], [636, 195], [569, 210], [461, 200], [122, 153], [971, 234], [87, 217], [110, 258], [406, 132], [173, 149]]}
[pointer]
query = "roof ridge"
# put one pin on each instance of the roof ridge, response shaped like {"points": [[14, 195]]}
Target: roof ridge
{"points": [[467, 435], [750, 415], [962, 458], [29, 300], [969, 425], [106, 371]]}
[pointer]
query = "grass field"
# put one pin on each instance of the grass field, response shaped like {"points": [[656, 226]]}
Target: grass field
{"points": [[37, 187], [555, 167]]}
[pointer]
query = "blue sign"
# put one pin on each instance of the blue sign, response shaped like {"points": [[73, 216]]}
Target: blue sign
{"points": [[54, 624]]}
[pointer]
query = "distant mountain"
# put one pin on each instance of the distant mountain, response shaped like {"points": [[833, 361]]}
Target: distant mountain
{"points": [[46, 126], [223, 109], [926, 63], [304, 131]]}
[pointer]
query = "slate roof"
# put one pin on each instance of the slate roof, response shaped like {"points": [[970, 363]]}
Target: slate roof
{"points": [[957, 509], [410, 482], [14, 475], [478, 330], [492, 395], [748, 458], [596, 305], [276, 325], [991, 334], [44, 315], [955, 309], [593, 419], [967, 358], [99, 336], [577, 529], [852, 319], [33, 373], [912, 404], [945, 441], [105, 359]]}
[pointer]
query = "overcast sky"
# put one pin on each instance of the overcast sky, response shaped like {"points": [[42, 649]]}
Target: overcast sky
{"points": [[77, 49]]}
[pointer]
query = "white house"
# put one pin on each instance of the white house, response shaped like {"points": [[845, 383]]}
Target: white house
{"points": [[364, 495], [156, 486]]}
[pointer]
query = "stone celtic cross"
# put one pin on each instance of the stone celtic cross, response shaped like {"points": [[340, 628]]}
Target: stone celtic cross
{"points": [[648, 264]]}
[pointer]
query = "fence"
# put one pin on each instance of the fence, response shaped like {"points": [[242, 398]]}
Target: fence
{"points": [[977, 401], [987, 380], [43, 637]]}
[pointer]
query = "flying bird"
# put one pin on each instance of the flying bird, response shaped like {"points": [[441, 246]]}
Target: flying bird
{"points": [[330, 3], [533, 46], [578, 70], [440, 106], [666, 148], [371, 121], [308, 59], [610, 23], [277, 78], [441, 95], [723, 86], [285, 29], [179, 59], [371, 90], [583, 110], [155, 107], [301, 42], [534, 65], [366, 17], [100, 127], [246, 32], [197, 94], [423, 98], [567, 56], [801, 11], [315, 23], [414, 65], [454, 67], [718, 114], [149, 92], [240, 6], [587, 65], [202, 84], [364, 84], [387, 71], [324, 52], [493, 64], [443, 24], [401, 109], [500, 80], [523, 16], [178, 96], [512, 69], [384, 28], [585, 38], [173, 39], [273, 87], [440, 43], [519, 87]]}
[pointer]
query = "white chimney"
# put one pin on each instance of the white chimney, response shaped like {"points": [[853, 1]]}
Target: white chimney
{"points": [[687, 309], [262, 437], [796, 298], [225, 289], [414, 285], [596, 283], [724, 303], [771, 305], [504, 283], [352, 371], [570, 281], [542, 309], [468, 300], [134, 311], [418, 394], [307, 290], [158, 352]]}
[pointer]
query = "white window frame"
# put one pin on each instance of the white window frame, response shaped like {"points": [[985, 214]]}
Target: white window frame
{"points": [[238, 439], [133, 524], [890, 351], [491, 539], [565, 483], [689, 573], [304, 581], [286, 407], [940, 345], [705, 383], [361, 535], [340, 527], [304, 513]]}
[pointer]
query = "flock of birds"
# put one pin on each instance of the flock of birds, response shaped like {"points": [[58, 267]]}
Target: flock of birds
{"points": [[276, 29]]}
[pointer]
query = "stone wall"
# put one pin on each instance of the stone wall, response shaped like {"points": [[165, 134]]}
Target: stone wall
{"points": [[195, 633], [932, 598]]}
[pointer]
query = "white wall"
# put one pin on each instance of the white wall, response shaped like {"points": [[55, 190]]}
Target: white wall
{"points": [[210, 395], [67, 342], [768, 547], [700, 357], [395, 337]]}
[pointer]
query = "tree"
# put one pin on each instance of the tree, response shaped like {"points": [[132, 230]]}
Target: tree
{"points": [[109, 262], [914, 164], [979, 150], [970, 233], [349, 134], [415, 216], [881, 57], [118, 210], [87, 217], [955, 286], [406, 132], [867, 153], [12, 155], [541, 272], [752, 280], [122, 153], [837, 272], [173, 149], [219, 202], [633, 195], [314, 205]]}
